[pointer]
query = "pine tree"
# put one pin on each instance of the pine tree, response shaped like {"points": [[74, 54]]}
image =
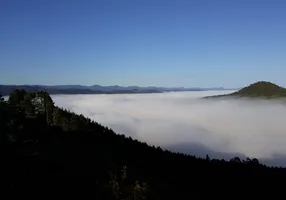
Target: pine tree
{"points": [[1, 98]]}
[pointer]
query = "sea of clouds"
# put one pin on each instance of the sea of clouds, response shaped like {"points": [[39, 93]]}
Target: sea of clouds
{"points": [[184, 122]]}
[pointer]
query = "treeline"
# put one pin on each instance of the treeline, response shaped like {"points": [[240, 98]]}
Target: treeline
{"points": [[50, 150]]}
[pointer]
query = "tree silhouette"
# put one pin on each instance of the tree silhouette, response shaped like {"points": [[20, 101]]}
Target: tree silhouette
{"points": [[122, 190], [235, 160], [1, 98], [17, 97]]}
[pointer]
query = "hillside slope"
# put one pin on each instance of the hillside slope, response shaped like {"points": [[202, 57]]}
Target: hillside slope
{"points": [[47, 150], [261, 89]]}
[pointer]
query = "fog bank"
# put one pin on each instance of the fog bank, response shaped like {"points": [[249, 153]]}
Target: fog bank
{"points": [[182, 121]]}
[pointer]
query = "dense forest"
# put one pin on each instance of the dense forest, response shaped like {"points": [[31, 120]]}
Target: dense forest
{"points": [[49, 150]]}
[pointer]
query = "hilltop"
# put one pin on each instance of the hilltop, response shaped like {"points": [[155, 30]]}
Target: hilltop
{"points": [[260, 89]]}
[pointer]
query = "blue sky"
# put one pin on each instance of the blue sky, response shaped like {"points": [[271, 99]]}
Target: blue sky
{"points": [[151, 42]]}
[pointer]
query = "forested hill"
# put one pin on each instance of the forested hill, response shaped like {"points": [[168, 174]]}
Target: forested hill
{"points": [[261, 89], [48, 150]]}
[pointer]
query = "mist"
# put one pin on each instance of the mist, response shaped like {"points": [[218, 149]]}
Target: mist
{"points": [[184, 122]]}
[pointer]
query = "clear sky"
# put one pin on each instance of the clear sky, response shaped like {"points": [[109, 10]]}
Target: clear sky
{"points": [[149, 42]]}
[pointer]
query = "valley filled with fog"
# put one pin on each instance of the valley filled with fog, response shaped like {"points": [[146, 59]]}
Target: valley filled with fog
{"points": [[184, 122]]}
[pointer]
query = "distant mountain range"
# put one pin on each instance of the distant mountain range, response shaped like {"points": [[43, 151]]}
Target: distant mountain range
{"points": [[97, 89]]}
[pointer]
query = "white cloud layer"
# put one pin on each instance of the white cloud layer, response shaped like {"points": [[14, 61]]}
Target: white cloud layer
{"points": [[182, 121]]}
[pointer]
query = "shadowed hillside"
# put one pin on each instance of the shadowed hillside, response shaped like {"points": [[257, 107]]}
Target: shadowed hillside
{"points": [[261, 89], [47, 150]]}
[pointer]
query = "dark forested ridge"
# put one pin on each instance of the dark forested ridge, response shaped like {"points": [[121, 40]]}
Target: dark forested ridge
{"points": [[261, 89], [48, 150]]}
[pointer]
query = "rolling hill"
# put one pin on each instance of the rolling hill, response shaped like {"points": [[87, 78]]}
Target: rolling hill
{"points": [[261, 89]]}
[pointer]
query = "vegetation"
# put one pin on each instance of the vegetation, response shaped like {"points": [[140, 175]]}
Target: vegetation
{"points": [[261, 89], [49, 150]]}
